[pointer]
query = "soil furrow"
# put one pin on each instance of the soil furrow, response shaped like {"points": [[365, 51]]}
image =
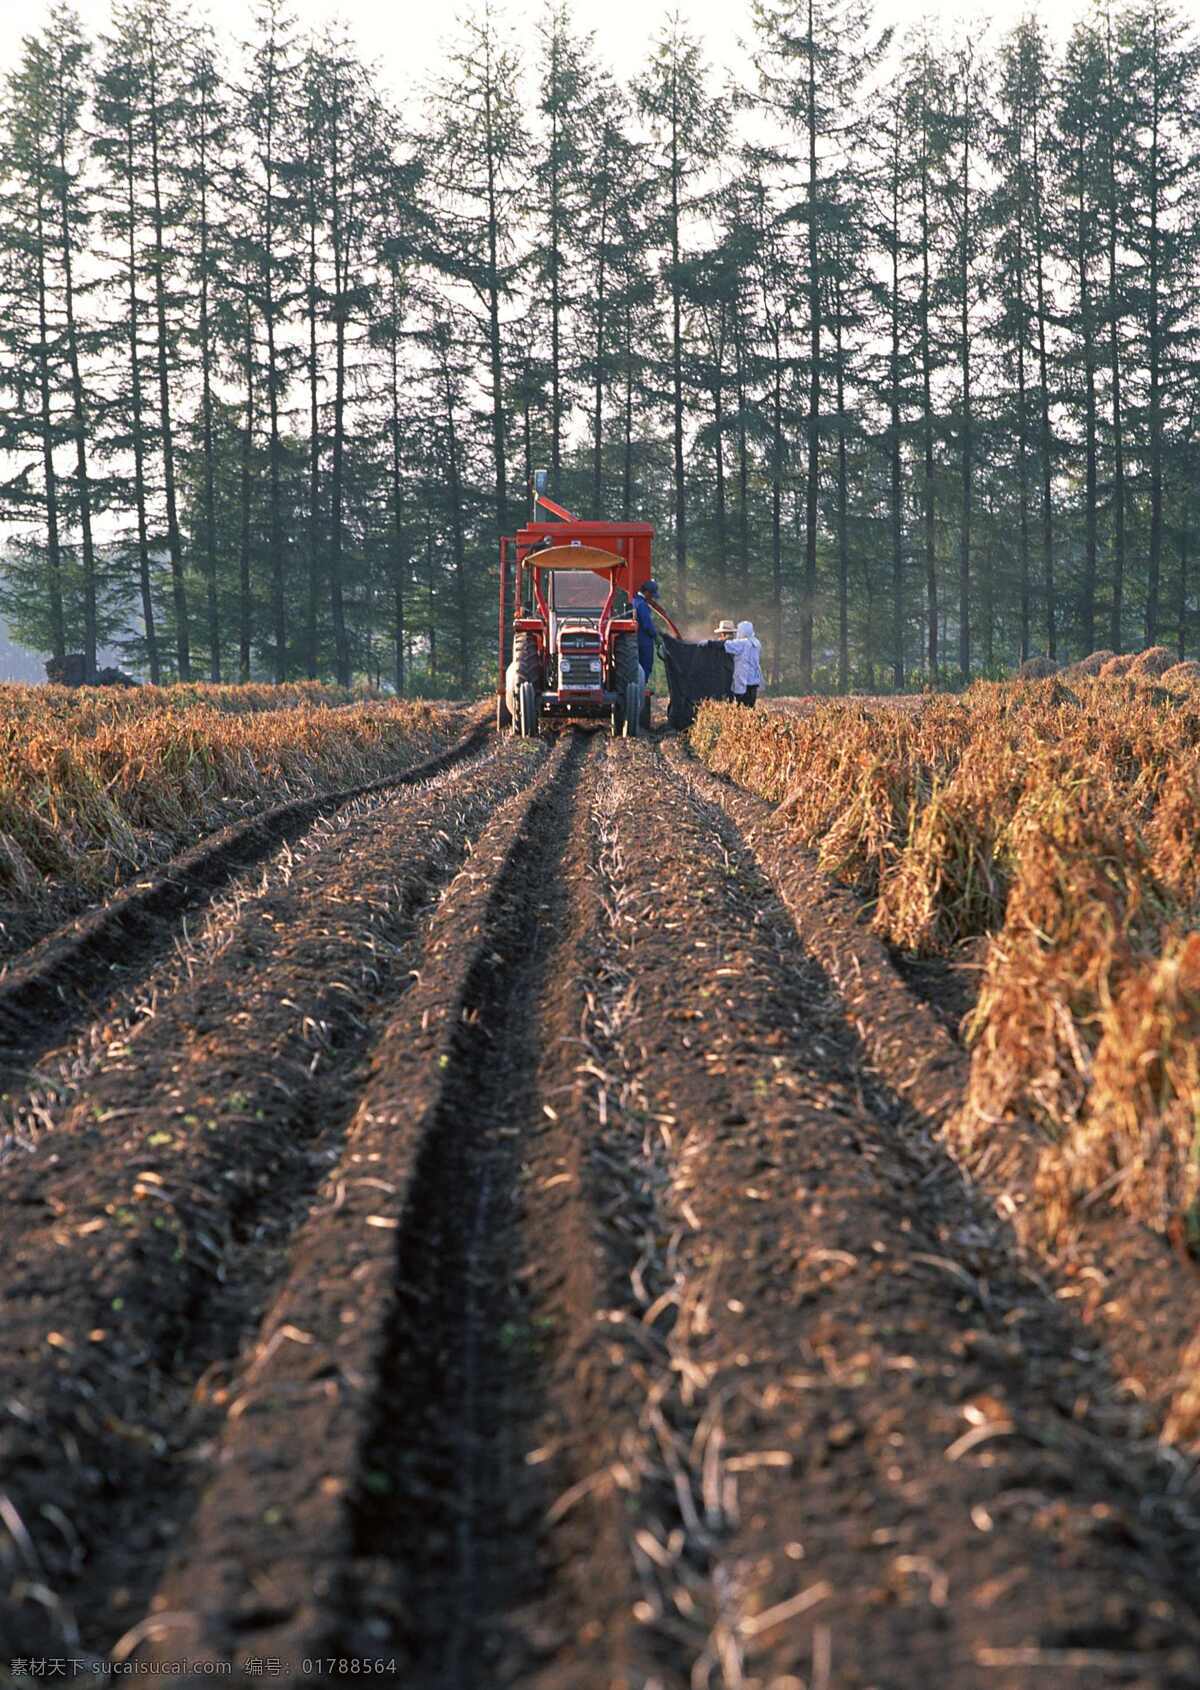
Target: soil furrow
{"points": [[157, 1214], [276, 1552], [1104, 1269], [892, 1425], [62, 979], [494, 1364]]}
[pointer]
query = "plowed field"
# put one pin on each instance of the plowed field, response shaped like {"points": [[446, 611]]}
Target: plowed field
{"points": [[489, 1232]]}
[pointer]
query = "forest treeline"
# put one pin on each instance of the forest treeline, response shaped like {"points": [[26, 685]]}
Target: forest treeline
{"points": [[896, 341]]}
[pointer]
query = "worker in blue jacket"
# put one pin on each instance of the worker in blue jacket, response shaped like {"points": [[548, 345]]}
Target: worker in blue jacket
{"points": [[647, 634]]}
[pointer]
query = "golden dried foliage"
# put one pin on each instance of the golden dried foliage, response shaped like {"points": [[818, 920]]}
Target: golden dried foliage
{"points": [[1154, 661], [97, 782], [1062, 818], [1137, 1136]]}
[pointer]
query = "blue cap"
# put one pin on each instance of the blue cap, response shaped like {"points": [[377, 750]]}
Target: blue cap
{"points": [[650, 588]]}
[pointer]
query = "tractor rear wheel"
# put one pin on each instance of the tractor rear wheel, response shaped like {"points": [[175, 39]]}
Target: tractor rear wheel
{"points": [[526, 666], [627, 672], [527, 710], [633, 709]]}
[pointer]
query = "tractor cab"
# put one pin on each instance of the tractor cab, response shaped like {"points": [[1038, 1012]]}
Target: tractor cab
{"points": [[573, 648]]}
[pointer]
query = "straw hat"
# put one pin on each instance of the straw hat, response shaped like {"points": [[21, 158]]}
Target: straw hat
{"points": [[725, 629]]}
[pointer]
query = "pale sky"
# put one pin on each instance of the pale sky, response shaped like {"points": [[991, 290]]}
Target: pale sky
{"points": [[405, 35]]}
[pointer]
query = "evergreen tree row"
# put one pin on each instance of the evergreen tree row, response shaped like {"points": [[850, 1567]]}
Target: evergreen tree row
{"points": [[896, 344]]}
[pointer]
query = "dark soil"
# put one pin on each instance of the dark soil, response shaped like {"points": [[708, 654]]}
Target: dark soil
{"points": [[512, 1245], [948, 985], [149, 1219]]}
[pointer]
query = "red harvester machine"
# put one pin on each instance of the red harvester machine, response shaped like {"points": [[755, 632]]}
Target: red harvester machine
{"points": [[574, 651]]}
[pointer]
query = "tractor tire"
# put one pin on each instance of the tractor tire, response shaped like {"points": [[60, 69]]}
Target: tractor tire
{"points": [[526, 667], [526, 720], [634, 695], [646, 711], [627, 672]]}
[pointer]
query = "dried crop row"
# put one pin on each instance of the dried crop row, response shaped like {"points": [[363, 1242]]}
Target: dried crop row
{"points": [[1113, 1277], [47, 991], [151, 1217], [83, 709], [1065, 822], [894, 1469], [86, 798]]}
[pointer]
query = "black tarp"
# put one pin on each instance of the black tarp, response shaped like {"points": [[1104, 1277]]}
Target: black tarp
{"points": [[694, 671]]}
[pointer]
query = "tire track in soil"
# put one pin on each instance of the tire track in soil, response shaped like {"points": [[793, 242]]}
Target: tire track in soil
{"points": [[145, 1231], [890, 1471], [47, 991], [446, 1553], [402, 1291], [455, 1356]]}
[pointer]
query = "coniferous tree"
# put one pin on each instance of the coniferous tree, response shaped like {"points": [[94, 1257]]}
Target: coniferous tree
{"points": [[688, 131]]}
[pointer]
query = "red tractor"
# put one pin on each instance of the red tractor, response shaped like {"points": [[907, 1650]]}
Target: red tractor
{"points": [[574, 651]]}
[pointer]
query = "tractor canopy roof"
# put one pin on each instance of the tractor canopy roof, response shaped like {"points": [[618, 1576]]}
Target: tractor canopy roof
{"points": [[576, 556]]}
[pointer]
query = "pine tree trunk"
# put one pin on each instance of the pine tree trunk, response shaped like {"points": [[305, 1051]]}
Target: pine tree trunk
{"points": [[718, 399], [1118, 493], [458, 535], [174, 544], [598, 370], [812, 476], [137, 428], [897, 489], [431, 591], [989, 591], [1154, 337], [677, 370], [743, 469], [1185, 542], [245, 606], [341, 263], [964, 561], [495, 349], [776, 513], [275, 467], [1090, 550], [555, 299], [58, 634], [843, 535], [312, 606], [209, 493], [627, 468], [79, 419], [1185, 560], [398, 549], [1048, 573], [931, 598], [1022, 449]]}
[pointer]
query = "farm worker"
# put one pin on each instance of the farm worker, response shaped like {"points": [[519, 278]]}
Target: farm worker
{"points": [[647, 634], [746, 651], [724, 630]]}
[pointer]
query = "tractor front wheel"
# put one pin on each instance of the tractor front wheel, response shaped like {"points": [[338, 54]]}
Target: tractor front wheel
{"points": [[527, 710]]}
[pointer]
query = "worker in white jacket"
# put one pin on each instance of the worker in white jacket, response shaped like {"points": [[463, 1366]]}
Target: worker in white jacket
{"points": [[746, 651]]}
